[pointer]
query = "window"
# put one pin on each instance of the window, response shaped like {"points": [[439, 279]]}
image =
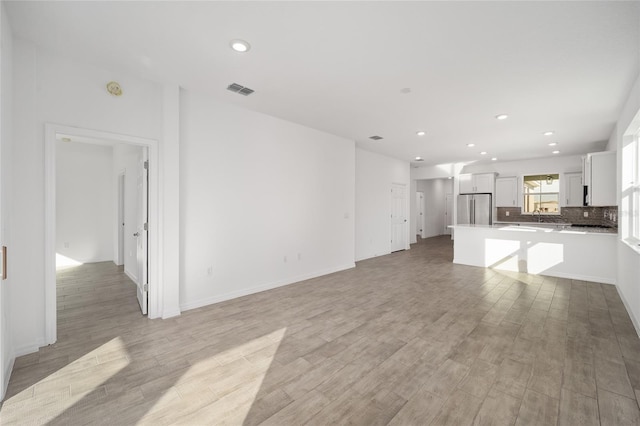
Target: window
{"points": [[541, 194], [630, 198]]}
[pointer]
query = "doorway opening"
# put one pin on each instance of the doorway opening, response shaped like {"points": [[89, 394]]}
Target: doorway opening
{"points": [[125, 197], [437, 206]]}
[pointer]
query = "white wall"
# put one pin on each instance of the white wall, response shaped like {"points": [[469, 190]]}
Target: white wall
{"points": [[125, 160], [6, 98], [84, 201], [434, 205], [255, 190], [51, 89], [628, 258], [374, 175]]}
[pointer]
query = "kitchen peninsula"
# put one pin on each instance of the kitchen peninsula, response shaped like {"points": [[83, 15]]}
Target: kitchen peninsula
{"points": [[558, 250]]}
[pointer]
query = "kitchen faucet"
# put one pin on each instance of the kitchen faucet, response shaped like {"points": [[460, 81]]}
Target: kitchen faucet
{"points": [[539, 215]]}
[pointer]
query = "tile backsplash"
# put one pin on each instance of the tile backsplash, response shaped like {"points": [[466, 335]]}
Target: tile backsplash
{"points": [[599, 216]]}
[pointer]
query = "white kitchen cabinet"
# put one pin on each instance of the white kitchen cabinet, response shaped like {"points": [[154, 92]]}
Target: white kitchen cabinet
{"points": [[507, 192], [476, 183], [602, 179], [573, 192]]}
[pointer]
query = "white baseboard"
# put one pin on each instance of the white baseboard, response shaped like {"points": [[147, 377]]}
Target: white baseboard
{"points": [[252, 290], [171, 314], [358, 259], [131, 276], [29, 349], [7, 375], [634, 320], [604, 280]]}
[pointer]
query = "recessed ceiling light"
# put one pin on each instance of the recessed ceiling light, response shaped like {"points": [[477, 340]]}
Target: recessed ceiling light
{"points": [[549, 133], [240, 46], [502, 116], [419, 159], [471, 145], [450, 177], [494, 159], [553, 143], [556, 152], [420, 133], [483, 153]]}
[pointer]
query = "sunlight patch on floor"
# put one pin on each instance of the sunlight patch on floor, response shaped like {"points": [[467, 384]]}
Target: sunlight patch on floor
{"points": [[233, 377], [64, 262], [68, 385]]}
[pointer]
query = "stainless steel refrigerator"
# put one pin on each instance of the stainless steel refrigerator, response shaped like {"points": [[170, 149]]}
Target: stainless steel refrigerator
{"points": [[474, 209]]}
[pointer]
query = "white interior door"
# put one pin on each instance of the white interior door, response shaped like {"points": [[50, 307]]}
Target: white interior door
{"points": [[398, 217], [141, 229], [120, 224], [419, 213], [448, 213]]}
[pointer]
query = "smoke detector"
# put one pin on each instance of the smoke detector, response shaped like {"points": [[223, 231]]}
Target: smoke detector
{"points": [[113, 87]]}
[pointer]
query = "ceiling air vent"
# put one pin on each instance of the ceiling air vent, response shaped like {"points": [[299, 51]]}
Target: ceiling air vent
{"points": [[237, 88], [375, 138]]}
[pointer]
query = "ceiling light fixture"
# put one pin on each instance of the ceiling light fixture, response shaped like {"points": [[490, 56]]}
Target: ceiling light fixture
{"points": [[549, 133], [483, 153], [240, 46], [419, 159], [556, 152], [502, 116], [114, 88], [494, 159], [420, 133], [471, 145], [553, 143]]}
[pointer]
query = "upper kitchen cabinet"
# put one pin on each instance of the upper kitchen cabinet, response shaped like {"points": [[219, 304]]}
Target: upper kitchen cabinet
{"points": [[573, 192], [507, 192], [600, 178], [476, 183]]}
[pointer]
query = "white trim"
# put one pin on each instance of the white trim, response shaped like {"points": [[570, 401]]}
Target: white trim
{"points": [[155, 283], [603, 280], [7, 375], [29, 349], [131, 277], [634, 320], [234, 294]]}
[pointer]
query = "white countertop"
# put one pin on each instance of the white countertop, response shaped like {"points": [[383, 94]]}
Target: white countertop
{"points": [[543, 227]]}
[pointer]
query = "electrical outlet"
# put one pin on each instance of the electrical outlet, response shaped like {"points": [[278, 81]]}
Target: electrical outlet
{"points": [[210, 270], [299, 256], [285, 259], [507, 213], [586, 214], [66, 244]]}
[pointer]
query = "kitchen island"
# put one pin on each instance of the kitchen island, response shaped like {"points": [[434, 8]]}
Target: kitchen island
{"points": [[566, 252]]}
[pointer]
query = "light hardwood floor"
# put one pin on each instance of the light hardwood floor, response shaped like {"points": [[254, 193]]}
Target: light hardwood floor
{"points": [[408, 338]]}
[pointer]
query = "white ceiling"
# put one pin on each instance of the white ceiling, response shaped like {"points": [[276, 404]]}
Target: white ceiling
{"points": [[341, 66]]}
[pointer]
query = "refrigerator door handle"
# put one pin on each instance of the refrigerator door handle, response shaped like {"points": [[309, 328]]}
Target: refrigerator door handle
{"points": [[472, 209]]}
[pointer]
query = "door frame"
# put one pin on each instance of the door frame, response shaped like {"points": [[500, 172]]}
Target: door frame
{"points": [[155, 230]]}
